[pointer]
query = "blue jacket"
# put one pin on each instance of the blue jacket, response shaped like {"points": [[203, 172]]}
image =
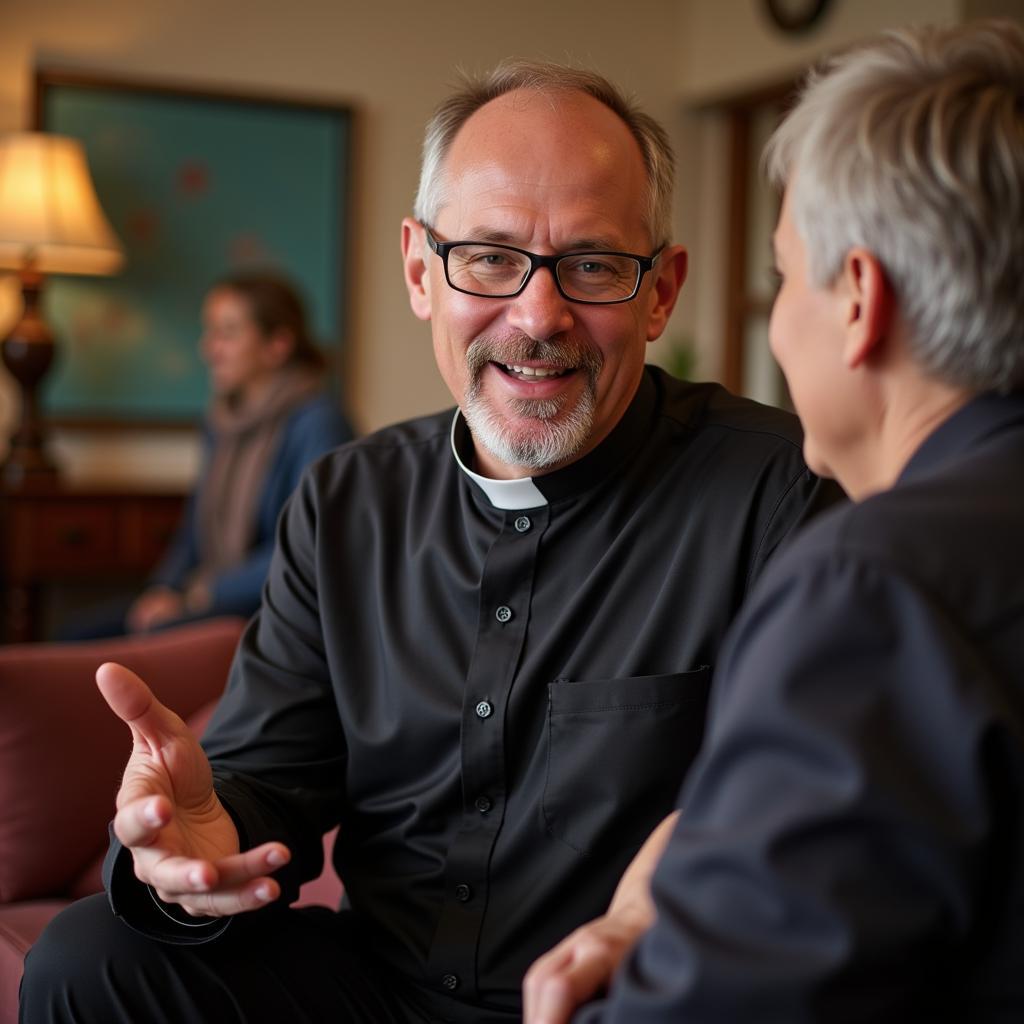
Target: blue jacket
{"points": [[312, 430]]}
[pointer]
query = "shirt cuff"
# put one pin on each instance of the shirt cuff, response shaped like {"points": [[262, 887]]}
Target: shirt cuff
{"points": [[138, 906]]}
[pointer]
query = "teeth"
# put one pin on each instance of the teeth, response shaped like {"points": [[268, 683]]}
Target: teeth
{"points": [[533, 371]]}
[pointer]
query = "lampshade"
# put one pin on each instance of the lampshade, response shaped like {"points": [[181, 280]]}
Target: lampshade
{"points": [[50, 218]]}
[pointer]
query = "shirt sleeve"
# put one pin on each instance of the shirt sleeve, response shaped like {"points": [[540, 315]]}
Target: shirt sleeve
{"points": [[236, 591], [144, 912], [182, 555], [837, 822], [285, 782]]}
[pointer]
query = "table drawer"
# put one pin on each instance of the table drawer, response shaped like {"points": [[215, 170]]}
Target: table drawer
{"points": [[55, 542], [72, 537], [145, 530], [51, 538]]}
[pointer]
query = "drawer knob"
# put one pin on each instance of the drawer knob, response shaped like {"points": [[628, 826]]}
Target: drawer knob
{"points": [[74, 536]]}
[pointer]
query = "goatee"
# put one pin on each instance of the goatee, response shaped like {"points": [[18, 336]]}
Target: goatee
{"points": [[557, 428]]}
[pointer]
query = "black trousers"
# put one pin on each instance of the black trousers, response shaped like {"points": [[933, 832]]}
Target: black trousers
{"points": [[286, 967]]}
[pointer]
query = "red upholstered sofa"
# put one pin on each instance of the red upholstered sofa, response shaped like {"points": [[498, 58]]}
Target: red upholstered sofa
{"points": [[61, 756]]}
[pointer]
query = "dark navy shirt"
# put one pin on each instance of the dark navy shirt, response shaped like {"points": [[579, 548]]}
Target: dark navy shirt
{"points": [[852, 840]]}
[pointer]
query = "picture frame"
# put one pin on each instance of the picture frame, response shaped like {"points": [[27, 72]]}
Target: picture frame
{"points": [[196, 183]]}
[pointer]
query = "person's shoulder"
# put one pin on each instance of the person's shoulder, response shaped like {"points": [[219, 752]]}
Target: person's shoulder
{"points": [[739, 445], [322, 409], [412, 435], [936, 533], [393, 451], [901, 523], [696, 407]]}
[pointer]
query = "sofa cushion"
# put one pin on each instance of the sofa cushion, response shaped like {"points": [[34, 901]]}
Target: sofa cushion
{"points": [[62, 750]]}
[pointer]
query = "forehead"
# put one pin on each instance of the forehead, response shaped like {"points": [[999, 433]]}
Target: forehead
{"points": [[545, 168], [226, 303]]}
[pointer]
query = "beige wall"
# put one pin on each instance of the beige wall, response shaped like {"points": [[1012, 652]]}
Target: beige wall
{"points": [[731, 46], [392, 60]]}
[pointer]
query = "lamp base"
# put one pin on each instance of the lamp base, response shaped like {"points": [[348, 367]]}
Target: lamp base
{"points": [[27, 353], [28, 465]]}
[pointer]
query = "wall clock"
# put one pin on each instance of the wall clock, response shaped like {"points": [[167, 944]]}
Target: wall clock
{"points": [[795, 15]]}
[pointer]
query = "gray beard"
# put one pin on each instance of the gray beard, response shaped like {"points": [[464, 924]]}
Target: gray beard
{"points": [[558, 431]]}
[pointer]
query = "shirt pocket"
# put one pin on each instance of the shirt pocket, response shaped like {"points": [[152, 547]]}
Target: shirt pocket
{"points": [[618, 750]]}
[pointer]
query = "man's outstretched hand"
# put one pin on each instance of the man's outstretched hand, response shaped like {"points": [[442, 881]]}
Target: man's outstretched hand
{"points": [[182, 840]]}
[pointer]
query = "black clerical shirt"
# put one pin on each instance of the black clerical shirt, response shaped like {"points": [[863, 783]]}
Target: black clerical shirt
{"points": [[497, 688]]}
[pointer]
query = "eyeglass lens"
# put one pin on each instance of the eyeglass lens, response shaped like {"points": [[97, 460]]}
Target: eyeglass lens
{"points": [[496, 271]]}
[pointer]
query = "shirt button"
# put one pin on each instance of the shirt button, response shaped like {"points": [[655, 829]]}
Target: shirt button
{"points": [[450, 982], [463, 893], [504, 613], [523, 523], [484, 709], [483, 804]]}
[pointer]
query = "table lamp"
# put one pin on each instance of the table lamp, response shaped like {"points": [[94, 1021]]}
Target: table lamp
{"points": [[50, 222]]}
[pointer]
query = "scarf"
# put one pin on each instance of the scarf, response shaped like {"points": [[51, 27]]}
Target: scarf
{"points": [[245, 442]]}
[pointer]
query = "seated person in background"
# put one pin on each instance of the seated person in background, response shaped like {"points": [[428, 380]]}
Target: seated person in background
{"points": [[269, 417], [486, 638], [850, 844]]}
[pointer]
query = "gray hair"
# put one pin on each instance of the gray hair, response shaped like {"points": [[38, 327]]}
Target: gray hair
{"points": [[549, 78], [912, 147]]}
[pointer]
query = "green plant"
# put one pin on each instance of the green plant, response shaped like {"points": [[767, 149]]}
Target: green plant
{"points": [[680, 357]]}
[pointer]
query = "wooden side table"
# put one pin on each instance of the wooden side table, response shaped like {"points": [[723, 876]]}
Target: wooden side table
{"points": [[77, 535]]}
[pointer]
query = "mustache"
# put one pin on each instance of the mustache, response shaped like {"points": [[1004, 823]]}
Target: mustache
{"points": [[561, 352]]}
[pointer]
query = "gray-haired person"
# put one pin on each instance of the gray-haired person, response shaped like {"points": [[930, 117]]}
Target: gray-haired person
{"points": [[850, 844], [487, 636]]}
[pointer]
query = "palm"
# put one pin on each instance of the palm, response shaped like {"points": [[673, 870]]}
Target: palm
{"points": [[176, 767], [167, 761], [183, 842]]}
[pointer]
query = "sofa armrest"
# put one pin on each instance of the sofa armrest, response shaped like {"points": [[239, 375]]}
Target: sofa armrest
{"points": [[62, 750]]}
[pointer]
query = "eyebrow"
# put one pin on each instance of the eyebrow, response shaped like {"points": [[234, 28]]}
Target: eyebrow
{"points": [[589, 244]]}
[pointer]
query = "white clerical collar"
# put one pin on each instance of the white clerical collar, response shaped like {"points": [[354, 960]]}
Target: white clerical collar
{"points": [[506, 494]]}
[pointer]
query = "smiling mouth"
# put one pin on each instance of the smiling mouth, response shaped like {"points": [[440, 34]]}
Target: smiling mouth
{"points": [[533, 372]]}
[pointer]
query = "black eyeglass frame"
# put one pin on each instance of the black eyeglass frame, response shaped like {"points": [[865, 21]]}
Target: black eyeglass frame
{"points": [[442, 249]]}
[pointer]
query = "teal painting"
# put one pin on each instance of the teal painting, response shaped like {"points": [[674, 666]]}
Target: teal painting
{"points": [[195, 184]]}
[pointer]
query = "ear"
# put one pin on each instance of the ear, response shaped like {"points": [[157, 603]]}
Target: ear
{"points": [[279, 348], [870, 305], [669, 275], [417, 279]]}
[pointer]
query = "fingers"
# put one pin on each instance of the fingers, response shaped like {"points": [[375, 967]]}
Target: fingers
{"points": [[139, 821], [133, 702], [574, 971], [228, 903], [233, 885], [546, 996]]}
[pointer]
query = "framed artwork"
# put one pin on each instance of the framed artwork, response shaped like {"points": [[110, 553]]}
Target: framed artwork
{"points": [[196, 184]]}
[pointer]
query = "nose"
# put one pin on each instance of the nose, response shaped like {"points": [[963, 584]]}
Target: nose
{"points": [[539, 310]]}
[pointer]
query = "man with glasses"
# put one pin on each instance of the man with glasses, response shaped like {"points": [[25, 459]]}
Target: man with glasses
{"points": [[487, 636]]}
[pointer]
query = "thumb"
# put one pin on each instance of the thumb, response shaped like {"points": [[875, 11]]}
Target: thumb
{"points": [[133, 702]]}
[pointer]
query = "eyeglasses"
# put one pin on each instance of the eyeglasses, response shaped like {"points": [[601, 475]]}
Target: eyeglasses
{"points": [[503, 271]]}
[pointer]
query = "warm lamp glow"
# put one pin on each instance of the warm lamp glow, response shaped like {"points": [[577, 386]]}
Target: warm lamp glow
{"points": [[50, 218], [50, 223]]}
